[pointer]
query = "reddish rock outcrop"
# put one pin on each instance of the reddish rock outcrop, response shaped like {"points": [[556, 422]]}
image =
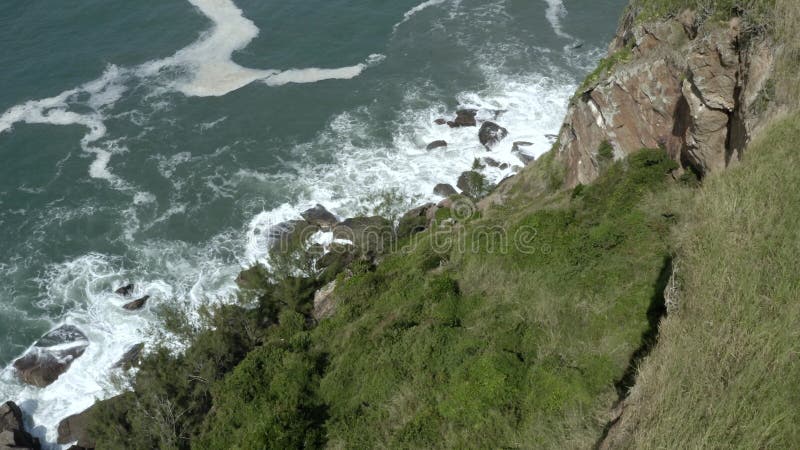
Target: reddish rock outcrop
{"points": [[687, 88]]}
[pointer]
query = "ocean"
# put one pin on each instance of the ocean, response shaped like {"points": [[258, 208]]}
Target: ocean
{"points": [[157, 141]]}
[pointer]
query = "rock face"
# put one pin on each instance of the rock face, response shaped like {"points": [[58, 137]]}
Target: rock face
{"points": [[464, 118], [130, 358], [414, 221], [12, 429], [51, 356], [324, 302], [491, 133], [436, 144], [369, 234], [321, 217], [689, 90], [136, 304], [74, 428], [445, 190]]}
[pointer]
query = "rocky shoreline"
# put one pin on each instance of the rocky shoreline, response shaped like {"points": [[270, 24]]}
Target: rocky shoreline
{"points": [[346, 241]]}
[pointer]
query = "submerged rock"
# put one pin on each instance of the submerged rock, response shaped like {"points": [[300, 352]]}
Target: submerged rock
{"points": [[440, 122], [491, 133], [136, 304], [445, 190], [51, 356], [436, 144], [12, 429], [319, 216], [464, 118]]}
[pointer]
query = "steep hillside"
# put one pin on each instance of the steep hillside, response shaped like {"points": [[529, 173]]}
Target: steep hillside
{"points": [[623, 291]]}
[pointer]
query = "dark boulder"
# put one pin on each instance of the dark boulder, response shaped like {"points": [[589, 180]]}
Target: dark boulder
{"points": [[136, 304], [440, 122], [125, 290], [130, 358], [51, 356], [414, 221], [491, 133], [445, 190], [436, 144], [74, 428], [464, 118], [320, 217], [370, 235], [64, 334], [12, 429]]}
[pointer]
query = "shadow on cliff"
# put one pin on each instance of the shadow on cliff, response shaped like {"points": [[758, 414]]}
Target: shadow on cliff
{"points": [[655, 312]]}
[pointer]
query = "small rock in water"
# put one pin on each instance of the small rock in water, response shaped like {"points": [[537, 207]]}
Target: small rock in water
{"points": [[440, 122], [445, 190], [436, 144], [464, 118], [491, 133], [130, 357], [136, 304], [125, 290]]}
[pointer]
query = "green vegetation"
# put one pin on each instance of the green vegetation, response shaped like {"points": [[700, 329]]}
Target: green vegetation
{"points": [[725, 369], [604, 67], [510, 330], [755, 12]]}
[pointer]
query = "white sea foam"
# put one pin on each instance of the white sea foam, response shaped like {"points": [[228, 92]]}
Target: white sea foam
{"points": [[411, 12], [554, 13], [210, 71]]}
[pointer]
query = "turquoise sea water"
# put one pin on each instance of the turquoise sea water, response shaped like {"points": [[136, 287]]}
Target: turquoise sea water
{"points": [[157, 141]]}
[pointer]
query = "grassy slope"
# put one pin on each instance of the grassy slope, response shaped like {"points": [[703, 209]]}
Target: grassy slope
{"points": [[492, 345], [726, 368]]}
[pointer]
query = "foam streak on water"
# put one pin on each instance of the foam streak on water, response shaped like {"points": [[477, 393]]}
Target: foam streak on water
{"points": [[209, 69]]}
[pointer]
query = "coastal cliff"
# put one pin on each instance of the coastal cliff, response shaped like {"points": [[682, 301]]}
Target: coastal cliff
{"points": [[636, 280], [697, 87]]}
